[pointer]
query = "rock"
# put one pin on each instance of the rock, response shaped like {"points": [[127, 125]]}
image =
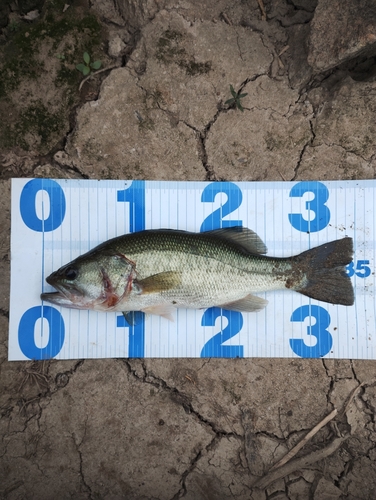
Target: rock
{"points": [[132, 13], [341, 31], [116, 46], [107, 10], [148, 120], [141, 142], [325, 490], [308, 5], [300, 71], [347, 119], [252, 145]]}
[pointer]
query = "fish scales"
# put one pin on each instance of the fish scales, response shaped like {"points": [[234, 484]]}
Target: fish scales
{"points": [[157, 270], [208, 266]]}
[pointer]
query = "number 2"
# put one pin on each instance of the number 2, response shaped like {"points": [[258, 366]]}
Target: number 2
{"points": [[214, 347], [234, 200]]}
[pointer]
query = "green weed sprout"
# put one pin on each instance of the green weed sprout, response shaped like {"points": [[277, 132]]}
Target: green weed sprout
{"points": [[14, 25], [88, 66], [236, 98]]}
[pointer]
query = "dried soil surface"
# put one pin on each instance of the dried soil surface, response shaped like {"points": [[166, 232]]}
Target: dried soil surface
{"points": [[202, 428]]}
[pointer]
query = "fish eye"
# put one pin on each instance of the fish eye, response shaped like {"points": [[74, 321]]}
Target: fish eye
{"points": [[71, 273]]}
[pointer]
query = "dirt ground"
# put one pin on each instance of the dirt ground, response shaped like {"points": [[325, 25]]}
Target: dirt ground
{"points": [[196, 428]]}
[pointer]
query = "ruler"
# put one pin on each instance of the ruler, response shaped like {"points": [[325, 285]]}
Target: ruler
{"points": [[54, 221]]}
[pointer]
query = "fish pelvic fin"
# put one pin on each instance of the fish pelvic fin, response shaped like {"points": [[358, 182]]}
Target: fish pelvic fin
{"points": [[129, 317], [320, 273], [250, 303]]}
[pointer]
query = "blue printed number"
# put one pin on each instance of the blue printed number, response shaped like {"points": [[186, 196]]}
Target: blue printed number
{"points": [[316, 206], [56, 202], [214, 347], [318, 329], [362, 270], [234, 200], [135, 196], [26, 332]]}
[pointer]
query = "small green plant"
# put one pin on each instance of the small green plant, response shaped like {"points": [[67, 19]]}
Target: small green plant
{"points": [[88, 66], [235, 99], [14, 25], [60, 56]]}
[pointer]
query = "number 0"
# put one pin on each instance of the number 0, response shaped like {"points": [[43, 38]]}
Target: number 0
{"points": [[57, 205], [26, 335]]}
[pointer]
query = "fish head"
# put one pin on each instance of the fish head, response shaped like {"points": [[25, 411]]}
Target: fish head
{"points": [[92, 282]]}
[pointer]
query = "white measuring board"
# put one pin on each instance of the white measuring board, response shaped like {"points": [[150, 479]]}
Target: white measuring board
{"points": [[54, 221]]}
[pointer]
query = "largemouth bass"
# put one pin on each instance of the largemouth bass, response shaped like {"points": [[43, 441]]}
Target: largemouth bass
{"points": [[156, 271]]}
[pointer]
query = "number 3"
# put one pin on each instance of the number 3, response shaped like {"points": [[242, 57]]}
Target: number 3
{"points": [[319, 330], [317, 206]]}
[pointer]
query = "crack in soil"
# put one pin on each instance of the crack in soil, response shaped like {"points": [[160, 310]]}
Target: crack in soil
{"points": [[176, 396], [4, 312], [81, 473], [184, 401], [305, 146]]}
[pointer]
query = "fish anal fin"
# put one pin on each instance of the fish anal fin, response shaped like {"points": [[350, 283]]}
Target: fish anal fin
{"points": [[242, 236], [159, 282], [250, 303], [163, 310]]}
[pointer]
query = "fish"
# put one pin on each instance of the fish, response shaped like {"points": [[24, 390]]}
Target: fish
{"points": [[157, 271]]}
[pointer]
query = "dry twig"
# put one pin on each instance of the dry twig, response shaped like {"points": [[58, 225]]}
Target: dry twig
{"points": [[287, 466], [299, 463], [262, 8], [97, 73], [305, 440]]}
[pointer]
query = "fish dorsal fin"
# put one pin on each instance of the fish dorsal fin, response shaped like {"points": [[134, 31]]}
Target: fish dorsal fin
{"points": [[242, 236], [250, 303], [159, 282]]}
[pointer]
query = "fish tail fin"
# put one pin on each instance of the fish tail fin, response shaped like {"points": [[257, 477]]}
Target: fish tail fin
{"points": [[324, 270]]}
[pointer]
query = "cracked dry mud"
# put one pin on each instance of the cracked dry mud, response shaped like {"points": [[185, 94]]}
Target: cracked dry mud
{"points": [[213, 428]]}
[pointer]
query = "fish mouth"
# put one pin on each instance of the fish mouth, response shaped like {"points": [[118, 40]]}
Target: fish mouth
{"points": [[59, 299], [64, 296]]}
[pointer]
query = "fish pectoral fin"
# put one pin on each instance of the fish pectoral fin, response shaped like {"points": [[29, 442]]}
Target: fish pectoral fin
{"points": [[163, 310], [242, 236], [159, 282], [250, 303]]}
